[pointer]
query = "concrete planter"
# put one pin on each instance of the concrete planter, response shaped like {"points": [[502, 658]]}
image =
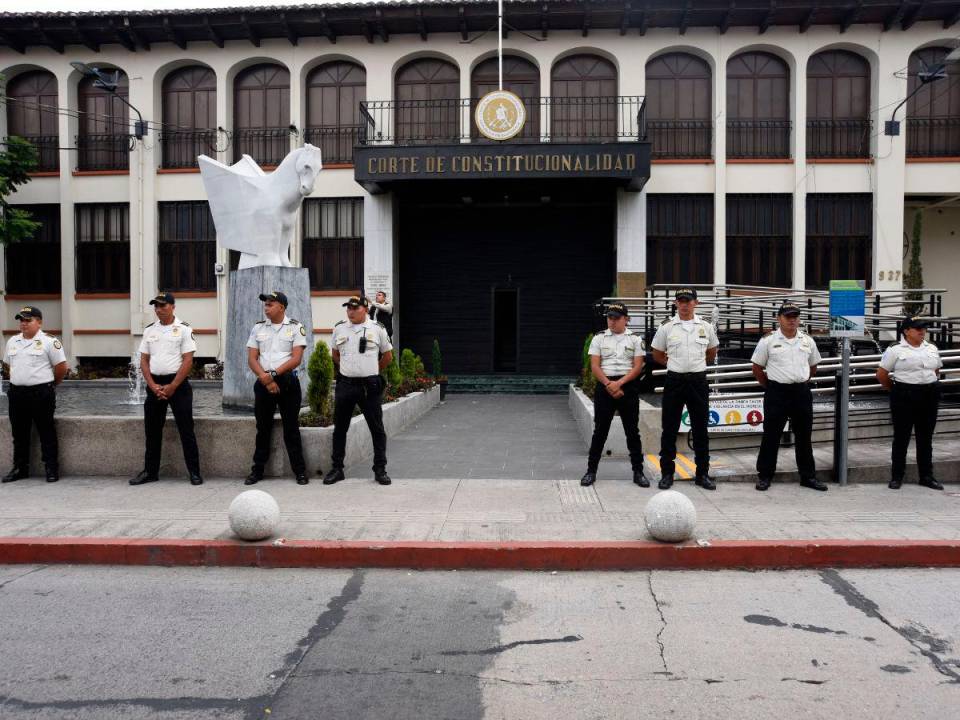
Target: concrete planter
{"points": [[581, 407], [92, 446]]}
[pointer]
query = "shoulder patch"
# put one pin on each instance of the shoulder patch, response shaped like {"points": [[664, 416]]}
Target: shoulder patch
{"points": [[57, 344], [303, 331]]}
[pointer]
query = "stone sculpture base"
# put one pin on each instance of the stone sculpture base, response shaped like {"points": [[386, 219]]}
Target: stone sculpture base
{"points": [[245, 309]]}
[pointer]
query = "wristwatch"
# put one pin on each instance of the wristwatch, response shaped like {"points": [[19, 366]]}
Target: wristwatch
{"points": [[273, 374]]}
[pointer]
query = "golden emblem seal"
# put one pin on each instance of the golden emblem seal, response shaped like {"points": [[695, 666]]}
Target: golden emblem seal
{"points": [[500, 115]]}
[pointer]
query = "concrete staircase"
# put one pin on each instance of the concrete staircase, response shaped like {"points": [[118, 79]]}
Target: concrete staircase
{"points": [[509, 384]]}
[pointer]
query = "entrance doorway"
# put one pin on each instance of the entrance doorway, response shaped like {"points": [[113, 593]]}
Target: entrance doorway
{"points": [[505, 326]]}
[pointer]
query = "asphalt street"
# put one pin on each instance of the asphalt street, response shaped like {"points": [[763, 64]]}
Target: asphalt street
{"points": [[107, 642]]}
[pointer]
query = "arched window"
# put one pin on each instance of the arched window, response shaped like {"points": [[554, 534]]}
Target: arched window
{"points": [[933, 114], [583, 103], [334, 93], [261, 114], [521, 77], [679, 107], [838, 105], [104, 139], [758, 106], [32, 115], [427, 102], [189, 100]]}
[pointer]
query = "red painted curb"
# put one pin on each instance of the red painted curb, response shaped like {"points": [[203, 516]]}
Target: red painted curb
{"points": [[535, 555]]}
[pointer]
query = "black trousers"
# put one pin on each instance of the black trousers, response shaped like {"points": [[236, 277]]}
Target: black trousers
{"points": [[914, 408], [31, 405], [265, 404], [604, 406], [782, 402], [367, 394], [688, 389], [154, 418]]}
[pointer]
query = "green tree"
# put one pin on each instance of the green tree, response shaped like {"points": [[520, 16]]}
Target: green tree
{"points": [[17, 158], [437, 360], [587, 381], [914, 277], [320, 374], [408, 364], [392, 372]]}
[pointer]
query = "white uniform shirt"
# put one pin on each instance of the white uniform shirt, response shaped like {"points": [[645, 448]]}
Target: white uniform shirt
{"points": [[616, 351], [912, 365], [166, 345], [346, 341], [276, 342], [32, 361], [686, 343], [786, 360]]}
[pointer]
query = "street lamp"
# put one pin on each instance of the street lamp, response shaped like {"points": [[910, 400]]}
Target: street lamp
{"points": [[926, 76], [108, 82]]}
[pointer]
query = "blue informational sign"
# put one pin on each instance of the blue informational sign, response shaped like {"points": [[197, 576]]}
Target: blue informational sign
{"points": [[848, 301]]}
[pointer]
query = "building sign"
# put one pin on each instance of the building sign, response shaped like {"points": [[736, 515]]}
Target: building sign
{"points": [[730, 416], [375, 282], [847, 308], [378, 166], [500, 115]]}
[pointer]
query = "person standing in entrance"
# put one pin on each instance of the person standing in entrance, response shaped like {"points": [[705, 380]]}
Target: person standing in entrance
{"points": [[37, 365], [274, 351], [616, 361], [783, 363], [361, 350], [910, 370], [686, 344], [382, 312], [166, 358]]}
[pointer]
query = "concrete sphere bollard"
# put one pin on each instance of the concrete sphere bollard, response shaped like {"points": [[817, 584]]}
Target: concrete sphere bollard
{"points": [[670, 516], [254, 515]]}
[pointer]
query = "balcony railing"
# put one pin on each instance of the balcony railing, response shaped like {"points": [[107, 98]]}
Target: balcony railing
{"points": [[564, 120], [104, 152], [48, 151], [755, 139], [933, 137], [838, 138], [268, 146], [680, 139], [335, 141], [180, 148]]}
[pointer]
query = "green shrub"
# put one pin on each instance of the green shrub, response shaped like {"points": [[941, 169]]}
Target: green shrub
{"points": [[419, 370], [588, 382], [437, 360], [408, 364], [392, 372], [320, 375]]}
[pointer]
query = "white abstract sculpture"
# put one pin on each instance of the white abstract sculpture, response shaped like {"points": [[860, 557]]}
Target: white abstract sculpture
{"points": [[255, 212], [670, 516], [254, 515]]}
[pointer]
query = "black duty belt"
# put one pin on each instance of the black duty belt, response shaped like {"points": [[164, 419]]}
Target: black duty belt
{"points": [[355, 380], [29, 388]]}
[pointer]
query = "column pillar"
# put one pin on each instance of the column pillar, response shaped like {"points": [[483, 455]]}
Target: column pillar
{"points": [[144, 272], [799, 115], [67, 128], [631, 243], [720, 167], [378, 249]]}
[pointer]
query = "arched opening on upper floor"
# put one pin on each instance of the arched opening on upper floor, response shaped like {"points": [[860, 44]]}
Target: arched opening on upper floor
{"points": [[334, 91], [521, 77], [583, 102], [426, 101], [188, 107], [261, 113], [32, 101], [933, 110], [104, 135], [679, 107], [838, 105], [758, 106]]}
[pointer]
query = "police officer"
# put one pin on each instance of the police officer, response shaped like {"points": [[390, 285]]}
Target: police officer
{"points": [[274, 351], [361, 349], [910, 370], [783, 363], [685, 343], [166, 358], [616, 361], [37, 364], [381, 311]]}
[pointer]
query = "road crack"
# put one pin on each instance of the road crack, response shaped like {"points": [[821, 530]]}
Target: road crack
{"points": [[663, 621]]}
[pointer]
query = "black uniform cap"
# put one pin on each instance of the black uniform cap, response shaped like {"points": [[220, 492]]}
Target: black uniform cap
{"points": [[164, 299], [916, 321], [617, 310], [788, 308], [275, 295], [27, 312], [686, 294], [355, 302]]}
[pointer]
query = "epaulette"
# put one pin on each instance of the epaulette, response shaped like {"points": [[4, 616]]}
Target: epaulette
{"points": [[185, 323], [259, 322], [380, 324], [294, 320], [339, 323], [150, 325], [666, 320]]}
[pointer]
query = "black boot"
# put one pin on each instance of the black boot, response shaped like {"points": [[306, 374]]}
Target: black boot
{"points": [[143, 477], [19, 472], [705, 481], [666, 482], [895, 483], [196, 478], [763, 484], [813, 484], [255, 476], [302, 478], [381, 477], [53, 473], [640, 479], [929, 481], [589, 478], [334, 476]]}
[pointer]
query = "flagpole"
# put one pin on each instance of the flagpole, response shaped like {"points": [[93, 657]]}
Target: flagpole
{"points": [[500, 43]]}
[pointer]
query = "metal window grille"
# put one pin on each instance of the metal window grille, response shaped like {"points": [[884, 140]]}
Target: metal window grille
{"points": [[333, 243], [33, 265], [103, 247], [187, 246]]}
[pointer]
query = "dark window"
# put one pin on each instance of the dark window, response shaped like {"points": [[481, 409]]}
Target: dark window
{"points": [[759, 240], [261, 114], [679, 114], [333, 243], [187, 246], [838, 105], [103, 248], [427, 102], [189, 116], [33, 266], [933, 114], [583, 103], [839, 238], [104, 142], [32, 114], [758, 106], [679, 239], [334, 93], [522, 78]]}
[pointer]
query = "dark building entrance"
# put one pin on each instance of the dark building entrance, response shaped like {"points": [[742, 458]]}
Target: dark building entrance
{"points": [[504, 274]]}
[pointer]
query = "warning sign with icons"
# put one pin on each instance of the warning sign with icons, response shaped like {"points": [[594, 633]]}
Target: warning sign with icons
{"points": [[731, 416]]}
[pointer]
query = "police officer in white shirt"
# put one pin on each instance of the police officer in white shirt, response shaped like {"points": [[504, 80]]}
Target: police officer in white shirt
{"points": [[361, 350], [37, 364], [686, 344], [166, 358], [616, 361], [274, 352], [910, 370], [783, 363]]}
